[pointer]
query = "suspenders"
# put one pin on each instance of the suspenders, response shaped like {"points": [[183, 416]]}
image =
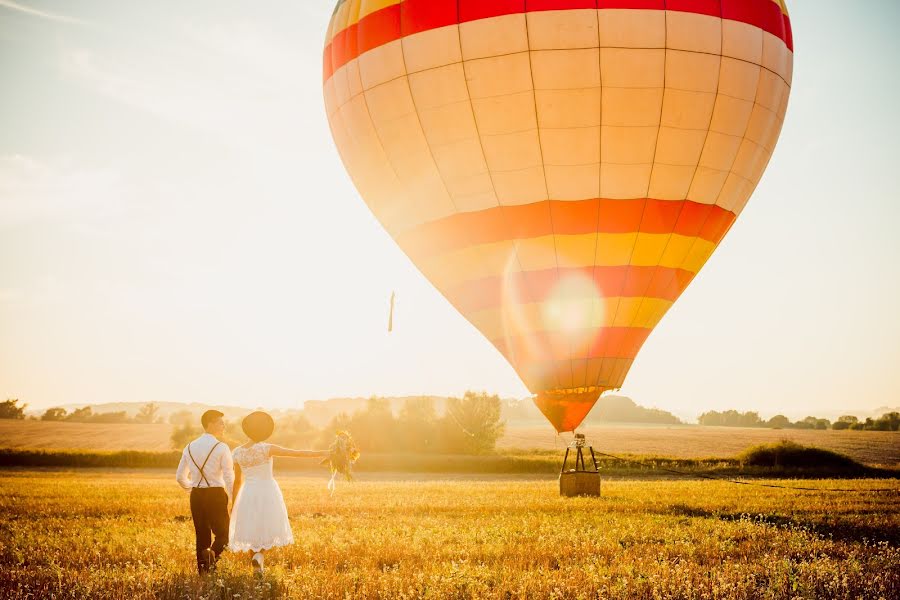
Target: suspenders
{"points": [[200, 467]]}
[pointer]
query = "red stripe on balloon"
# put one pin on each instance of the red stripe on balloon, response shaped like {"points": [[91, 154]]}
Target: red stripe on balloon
{"points": [[664, 283], [539, 5], [502, 223], [389, 24], [712, 8], [473, 10], [633, 4], [379, 28], [422, 15]]}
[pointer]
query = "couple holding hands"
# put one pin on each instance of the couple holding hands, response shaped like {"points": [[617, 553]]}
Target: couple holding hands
{"points": [[213, 473]]}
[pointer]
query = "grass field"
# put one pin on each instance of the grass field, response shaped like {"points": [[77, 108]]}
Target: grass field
{"points": [[84, 436], [869, 447], [127, 534]]}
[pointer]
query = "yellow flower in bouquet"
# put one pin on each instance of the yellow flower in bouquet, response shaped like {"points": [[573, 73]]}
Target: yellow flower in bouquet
{"points": [[342, 454]]}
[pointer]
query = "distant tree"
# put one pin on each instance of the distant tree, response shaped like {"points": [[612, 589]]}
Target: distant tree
{"points": [[807, 423], [80, 415], [182, 435], [10, 409], [54, 414], [730, 418], [779, 422], [417, 425], [711, 419], [148, 413], [888, 422], [375, 428], [751, 419], [620, 409], [182, 417], [294, 431], [109, 417], [340, 422], [475, 421], [845, 422]]}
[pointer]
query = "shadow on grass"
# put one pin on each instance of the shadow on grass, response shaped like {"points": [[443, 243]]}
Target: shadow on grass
{"points": [[839, 532]]}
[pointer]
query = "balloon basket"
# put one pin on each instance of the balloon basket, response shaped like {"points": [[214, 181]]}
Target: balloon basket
{"points": [[580, 480]]}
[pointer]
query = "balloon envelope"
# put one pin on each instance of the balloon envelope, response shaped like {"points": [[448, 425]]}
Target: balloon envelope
{"points": [[559, 169]]}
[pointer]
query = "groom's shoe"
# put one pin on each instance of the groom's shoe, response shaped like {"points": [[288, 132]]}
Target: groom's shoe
{"points": [[209, 561]]}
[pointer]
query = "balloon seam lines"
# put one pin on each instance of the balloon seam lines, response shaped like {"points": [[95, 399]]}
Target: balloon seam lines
{"points": [[650, 178], [587, 362], [434, 160], [757, 25], [735, 58], [611, 87], [544, 176], [706, 219], [693, 177], [515, 248]]}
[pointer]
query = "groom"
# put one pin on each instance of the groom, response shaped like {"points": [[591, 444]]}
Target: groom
{"points": [[207, 471]]}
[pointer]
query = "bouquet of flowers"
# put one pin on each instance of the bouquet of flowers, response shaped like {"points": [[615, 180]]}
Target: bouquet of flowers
{"points": [[341, 455]]}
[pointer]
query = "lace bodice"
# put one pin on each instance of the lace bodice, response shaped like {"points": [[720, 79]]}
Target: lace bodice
{"points": [[254, 461]]}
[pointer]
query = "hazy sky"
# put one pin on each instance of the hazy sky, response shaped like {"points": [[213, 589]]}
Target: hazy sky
{"points": [[175, 224]]}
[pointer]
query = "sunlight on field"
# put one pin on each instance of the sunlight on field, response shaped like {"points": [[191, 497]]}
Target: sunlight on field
{"points": [[128, 534], [869, 447]]}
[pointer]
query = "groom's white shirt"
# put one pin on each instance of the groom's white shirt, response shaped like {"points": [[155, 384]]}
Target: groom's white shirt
{"points": [[219, 469]]}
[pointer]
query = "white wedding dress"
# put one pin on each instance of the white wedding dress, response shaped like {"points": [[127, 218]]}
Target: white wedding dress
{"points": [[259, 519]]}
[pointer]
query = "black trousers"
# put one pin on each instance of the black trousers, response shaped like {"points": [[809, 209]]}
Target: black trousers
{"points": [[209, 509]]}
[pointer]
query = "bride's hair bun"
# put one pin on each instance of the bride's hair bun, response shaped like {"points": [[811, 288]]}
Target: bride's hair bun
{"points": [[258, 426]]}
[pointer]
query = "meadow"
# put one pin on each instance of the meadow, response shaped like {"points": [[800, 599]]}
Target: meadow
{"points": [[875, 448], [127, 534]]}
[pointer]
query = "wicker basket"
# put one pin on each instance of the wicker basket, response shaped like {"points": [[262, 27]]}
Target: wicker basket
{"points": [[579, 483]]}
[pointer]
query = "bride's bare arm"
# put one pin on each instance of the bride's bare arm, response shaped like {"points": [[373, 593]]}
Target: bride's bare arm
{"points": [[238, 479], [279, 451]]}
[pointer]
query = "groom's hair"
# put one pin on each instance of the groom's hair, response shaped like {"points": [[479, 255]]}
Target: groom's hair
{"points": [[210, 416]]}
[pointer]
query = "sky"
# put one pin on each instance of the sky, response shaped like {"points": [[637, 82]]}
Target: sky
{"points": [[176, 225]]}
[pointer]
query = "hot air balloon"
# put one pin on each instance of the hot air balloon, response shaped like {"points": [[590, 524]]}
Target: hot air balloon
{"points": [[559, 169]]}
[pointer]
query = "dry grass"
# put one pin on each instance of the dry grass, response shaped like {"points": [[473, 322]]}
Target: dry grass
{"points": [[124, 534], [869, 447], [877, 448], [84, 436]]}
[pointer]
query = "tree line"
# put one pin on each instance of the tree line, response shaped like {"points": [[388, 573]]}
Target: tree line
{"points": [[732, 418], [470, 425], [149, 413]]}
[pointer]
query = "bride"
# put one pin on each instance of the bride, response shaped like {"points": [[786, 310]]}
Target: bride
{"points": [[259, 519]]}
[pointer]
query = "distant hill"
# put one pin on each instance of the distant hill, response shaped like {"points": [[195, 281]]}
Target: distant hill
{"points": [[609, 409]]}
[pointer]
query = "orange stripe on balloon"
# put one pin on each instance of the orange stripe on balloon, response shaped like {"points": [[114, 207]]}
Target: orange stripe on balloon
{"points": [[625, 281], [566, 411], [603, 342], [414, 16], [549, 217]]}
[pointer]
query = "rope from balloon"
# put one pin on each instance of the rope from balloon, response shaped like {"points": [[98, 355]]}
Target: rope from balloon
{"points": [[738, 482], [391, 314]]}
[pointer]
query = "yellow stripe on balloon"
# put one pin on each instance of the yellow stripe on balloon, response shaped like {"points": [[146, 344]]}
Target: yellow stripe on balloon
{"points": [[531, 317], [569, 251]]}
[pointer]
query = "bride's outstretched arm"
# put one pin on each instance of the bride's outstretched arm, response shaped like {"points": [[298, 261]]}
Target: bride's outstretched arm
{"points": [[238, 479], [279, 451]]}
